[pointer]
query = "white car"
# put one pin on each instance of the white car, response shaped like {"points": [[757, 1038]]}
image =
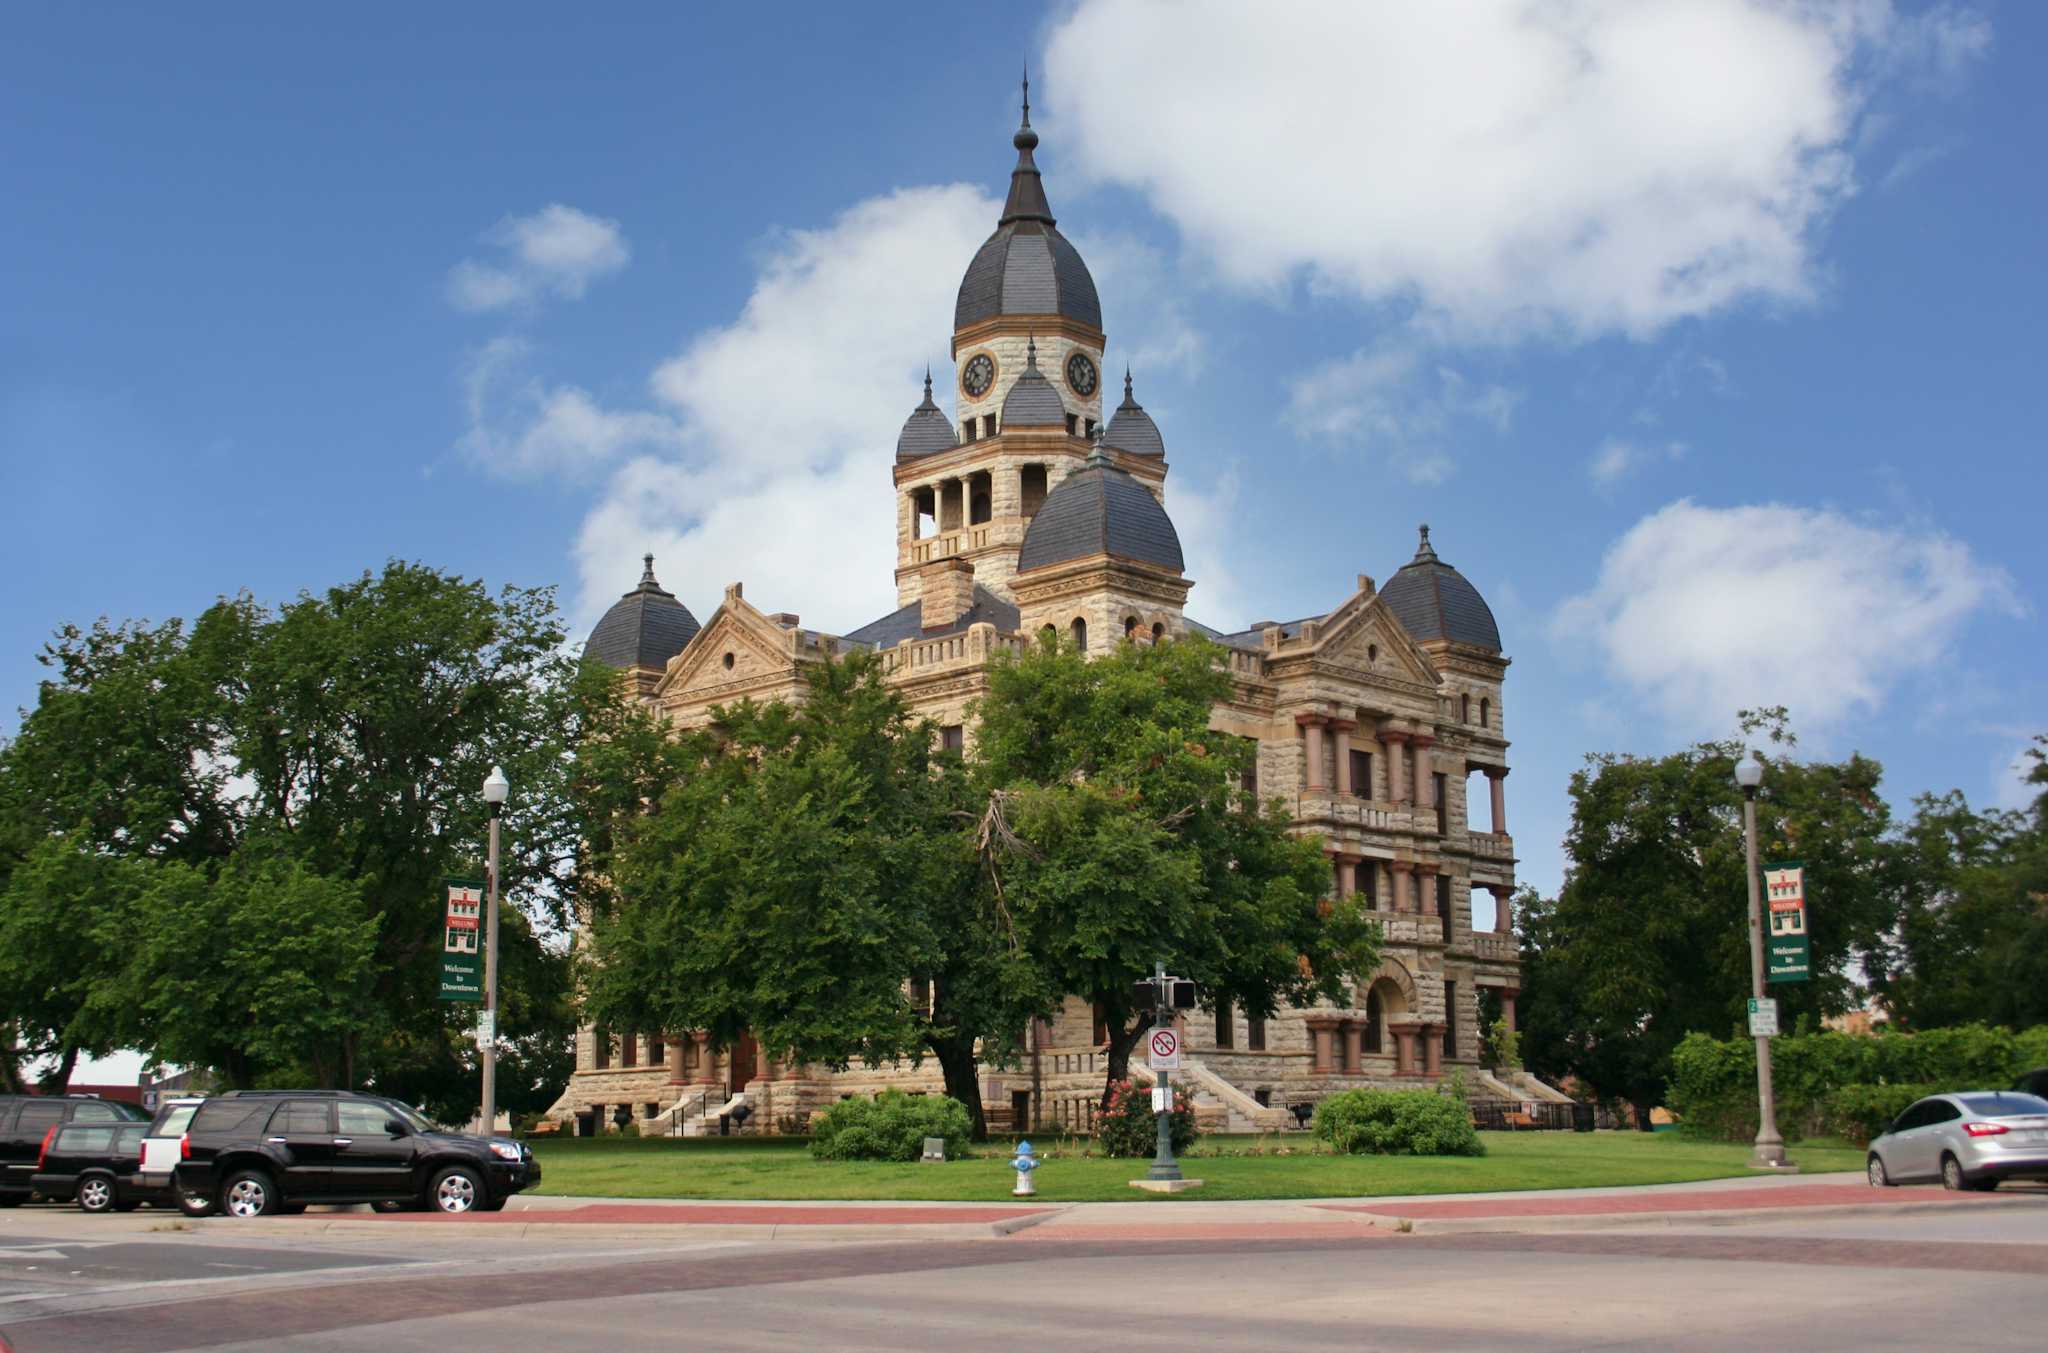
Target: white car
{"points": [[1967, 1140], [164, 1147]]}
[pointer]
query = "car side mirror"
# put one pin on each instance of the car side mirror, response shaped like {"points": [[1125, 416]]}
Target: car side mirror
{"points": [[394, 1127]]}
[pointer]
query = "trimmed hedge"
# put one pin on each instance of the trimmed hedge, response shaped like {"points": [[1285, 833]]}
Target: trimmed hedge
{"points": [[1397, 1123], [1129, 1128], [1835, 1084], [891, 1126]]}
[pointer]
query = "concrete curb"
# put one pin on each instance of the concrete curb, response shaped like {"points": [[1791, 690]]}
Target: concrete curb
{"points": [[1613, 1221]]}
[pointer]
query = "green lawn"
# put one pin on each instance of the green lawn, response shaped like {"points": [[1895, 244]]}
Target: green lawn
{"points": [[772, 1169]]}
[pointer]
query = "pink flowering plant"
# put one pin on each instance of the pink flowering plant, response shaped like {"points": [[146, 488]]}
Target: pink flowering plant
{"points": [[1127, 1126]]}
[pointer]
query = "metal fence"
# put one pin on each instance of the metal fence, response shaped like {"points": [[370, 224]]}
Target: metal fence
{"points": [[1496, 1115]]}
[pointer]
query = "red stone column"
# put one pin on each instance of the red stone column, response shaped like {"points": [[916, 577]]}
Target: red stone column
{"points": [[1404, 1050], [1311, 751], [1419, 772], [1347, 874], [1496, 784], [763, 1068], [675, 1060], [1343, 729], [1507, 1007], [705, 1074], [1319, 1037], [1432, 1050], [1404, 884], [1503, 908], [792, 1070], [1397, 788], [1354, 1047]]}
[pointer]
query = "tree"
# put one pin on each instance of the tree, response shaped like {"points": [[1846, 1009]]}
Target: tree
{"points": [[1648, 938], [1129, 840], [801, 867], [331, 747]]}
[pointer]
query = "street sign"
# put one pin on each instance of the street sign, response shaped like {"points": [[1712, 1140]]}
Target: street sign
{"points": [[1787, 950], [486, 1027], [1162, 1099], [1165, 1049], [1763, 1017], [462, 962]]}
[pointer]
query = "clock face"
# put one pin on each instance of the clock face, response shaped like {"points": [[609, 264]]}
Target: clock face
{"points": [[978, 375], [1081, 374]]}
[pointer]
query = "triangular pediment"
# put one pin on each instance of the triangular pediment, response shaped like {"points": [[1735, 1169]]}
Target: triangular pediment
{"points": [[1363, 633], [738, 643]]}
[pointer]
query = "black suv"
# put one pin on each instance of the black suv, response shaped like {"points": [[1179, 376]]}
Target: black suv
{"points": [[26, 1121], [258, 1152], [96, 1165]]}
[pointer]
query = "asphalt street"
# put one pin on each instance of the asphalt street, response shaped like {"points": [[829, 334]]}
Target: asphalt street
{"points": [[1960, 1281]]}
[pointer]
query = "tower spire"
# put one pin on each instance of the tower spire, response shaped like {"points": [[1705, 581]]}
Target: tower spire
{"points": [[1027, 93], [1027, 191]]}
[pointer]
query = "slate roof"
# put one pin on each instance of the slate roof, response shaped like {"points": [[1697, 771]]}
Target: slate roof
{"points": [[927, 431], [1027, 267], [907, 622], [1100, 509], [1132, 429], [1032, 402], [1432, 600], [644, 628]]}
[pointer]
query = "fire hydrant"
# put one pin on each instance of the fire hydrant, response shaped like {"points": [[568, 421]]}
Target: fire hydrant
{"points": [[1024, 1163]]}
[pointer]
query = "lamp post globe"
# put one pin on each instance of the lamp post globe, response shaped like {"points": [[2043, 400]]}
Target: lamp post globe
{"points": [[496, 790], [1770, 1147]]}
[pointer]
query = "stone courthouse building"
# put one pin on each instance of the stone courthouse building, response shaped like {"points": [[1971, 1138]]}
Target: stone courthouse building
{"points": [[1034, 509]]}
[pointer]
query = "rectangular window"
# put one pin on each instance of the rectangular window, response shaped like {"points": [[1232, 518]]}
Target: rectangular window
{"points": [[1254, 1034], [1443, 906], [1440, 798], [601, 1049], [1226, 1027], [1361, 773], [302, 1118], [1032, 484], [629, 1050], [952, 737], [1251, 770], [1450, 1019], [1369, 884], [222, 1115], [656, 1050], [921, 995]]}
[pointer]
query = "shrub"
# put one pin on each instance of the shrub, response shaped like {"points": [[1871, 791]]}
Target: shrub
{"points": [[891, 1126], [1397, 1123], [1860, 1112], [1127, 1126]]}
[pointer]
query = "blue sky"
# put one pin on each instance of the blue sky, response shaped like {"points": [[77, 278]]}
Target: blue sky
{"points": [[1703, 333]]}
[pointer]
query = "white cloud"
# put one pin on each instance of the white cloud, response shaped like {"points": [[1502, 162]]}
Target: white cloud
{"points": [[521, 427], [786, 420], [1701, 611], [1590, 167], [556, 251], [1617, 459], [1391, 401], [1146, 302]]}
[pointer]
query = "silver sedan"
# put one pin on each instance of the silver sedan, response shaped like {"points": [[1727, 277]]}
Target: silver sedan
{"points": [[1967, 1140]]}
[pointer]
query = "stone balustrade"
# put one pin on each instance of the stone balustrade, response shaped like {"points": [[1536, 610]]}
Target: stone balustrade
{"points": [[1493, 845], [971, 649], [1495, 948]]}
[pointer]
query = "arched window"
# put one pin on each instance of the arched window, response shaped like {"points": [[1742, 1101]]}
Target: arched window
{"points": [[1158, 631], [1374, 1023], [1485, 713], [1130, 627], [1050, 634], [1465, 709], [1080, 631]]}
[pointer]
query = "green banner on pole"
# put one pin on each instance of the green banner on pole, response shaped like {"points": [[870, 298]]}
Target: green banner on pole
{"points": [[462, 964], [1788, 953]]}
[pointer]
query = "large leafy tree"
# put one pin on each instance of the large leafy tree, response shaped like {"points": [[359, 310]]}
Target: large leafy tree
{"points": [[1128, 840], [1972, 941], [330, 748], [797, 870], [1648, 939]]}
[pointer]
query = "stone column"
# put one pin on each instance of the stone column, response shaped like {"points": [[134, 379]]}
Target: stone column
{"points": [[1503, 908], [792, 1070], [675, 1060], [1421, 769], [1397, 789], [1354, 1047], [1343, 729], [1507, 1007], [1496, 784], [1311, 751], [1347, 874], [1432, 1050], [1404, 1050], [1319, 1036], [762, 1066], [705, 1074], [1404, 880]]}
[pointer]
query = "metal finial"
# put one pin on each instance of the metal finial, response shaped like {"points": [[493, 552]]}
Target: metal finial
{"points": [[1031, 350], [647, 573], [1127, 382], [1425, 533], [1027, 93], [927, 384]]}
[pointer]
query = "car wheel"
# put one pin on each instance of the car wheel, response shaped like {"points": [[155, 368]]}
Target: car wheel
{"points": [[248, 1193], [194, 1204], [396, 1205], [457, 1190], [1952, 1175], [1875, 1169], [95, 1194]]}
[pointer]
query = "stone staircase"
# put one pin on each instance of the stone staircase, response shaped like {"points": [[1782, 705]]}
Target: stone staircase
{"points": [[1219, 1105], [698, 1112]]}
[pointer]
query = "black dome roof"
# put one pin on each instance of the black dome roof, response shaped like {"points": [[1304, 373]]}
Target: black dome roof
{"points": [[1132, 429], [1032, 402], [644, 628], [926, 432], [1027, 267], [1432, 600], [1100, 509]]}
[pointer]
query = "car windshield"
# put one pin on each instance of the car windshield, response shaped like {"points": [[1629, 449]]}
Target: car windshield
{"points": [[2004, 1104], [414, 1119]]}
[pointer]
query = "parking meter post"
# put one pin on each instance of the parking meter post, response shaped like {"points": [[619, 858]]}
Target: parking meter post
{"points": [[1164, 1166]]}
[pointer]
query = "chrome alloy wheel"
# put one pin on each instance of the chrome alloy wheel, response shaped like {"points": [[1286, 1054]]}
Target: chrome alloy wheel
{"points": [[457, 1193], [96, 1195], [1876, 1172], [247, 1198]]}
